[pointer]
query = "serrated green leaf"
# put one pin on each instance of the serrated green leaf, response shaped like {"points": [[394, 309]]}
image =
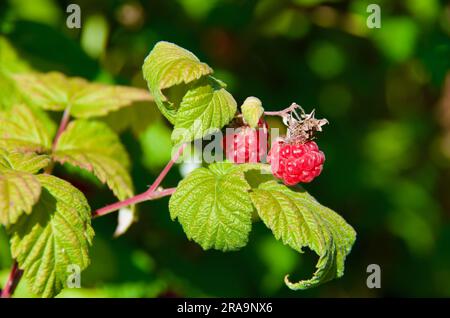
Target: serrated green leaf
{"points": [[55, 91], [25, 129], [214, 207], [98, 100], [57, 234], [93, 146], [205, 108], [168, 65], [19, 161], [19, 191], [299, 220]]}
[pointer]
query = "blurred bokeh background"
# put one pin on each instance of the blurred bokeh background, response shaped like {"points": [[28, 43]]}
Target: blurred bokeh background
{"points": [[385, 91]]}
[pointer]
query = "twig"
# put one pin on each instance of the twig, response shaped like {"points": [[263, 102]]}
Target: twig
{"points": [[283, 112], [13, 280], [62, 126], [150, 194], [146, 196]]}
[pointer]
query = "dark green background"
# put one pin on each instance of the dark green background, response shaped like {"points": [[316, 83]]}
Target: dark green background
{"points": [[387, 146]]}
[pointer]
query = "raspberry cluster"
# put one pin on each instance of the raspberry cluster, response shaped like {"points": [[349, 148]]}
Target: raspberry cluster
{"points": [[296, 162], [246, 144]]}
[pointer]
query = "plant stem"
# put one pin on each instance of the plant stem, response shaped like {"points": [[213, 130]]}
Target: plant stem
{"points": [[166, 169], [151, 194], [283, 112], [62, 126], [13, 280], [146, 196]]}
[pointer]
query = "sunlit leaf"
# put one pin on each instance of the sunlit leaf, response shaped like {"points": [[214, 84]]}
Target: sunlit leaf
{"points": [[55, 91], [214, 207], [168, 65], [298, 220], [10, 95], [93, 146], [10, 62], [22, 128], [19, 161], [19, 191], [56, 235], [205, 108], [19, 188]]}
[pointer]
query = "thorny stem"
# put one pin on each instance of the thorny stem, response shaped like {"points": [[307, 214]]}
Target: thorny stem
{"points": [[13, 281]]}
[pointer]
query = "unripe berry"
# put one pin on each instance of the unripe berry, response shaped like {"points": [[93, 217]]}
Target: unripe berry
{"points": [[246, 144], [296, 162]]}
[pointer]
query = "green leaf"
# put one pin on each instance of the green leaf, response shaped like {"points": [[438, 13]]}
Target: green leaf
{"points": [[25, 129], [252, 111], [205, 108], [19, 191], [214, 207], [19, 161], [55, 91], [169, 65], [93, 146], [10, 61], [56, 235], [9, 93], [299, 220]]}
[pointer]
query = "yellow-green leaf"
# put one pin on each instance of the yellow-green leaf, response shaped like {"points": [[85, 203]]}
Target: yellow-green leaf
{"points": [[93, 146], [9, 95], [205, 108], [214, 207], [298, 220], [19, 191], [19, 188], [55, 238], [10, 62], [252, 111], [25, 129], [168, 65], [55, 91], [19, 161]]}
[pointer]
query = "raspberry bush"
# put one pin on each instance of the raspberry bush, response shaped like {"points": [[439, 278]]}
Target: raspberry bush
{"points": [[49, 220]]}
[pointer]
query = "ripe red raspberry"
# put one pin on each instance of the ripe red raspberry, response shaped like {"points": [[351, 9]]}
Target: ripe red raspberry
{"points": [[297, 162], [246, 144]]}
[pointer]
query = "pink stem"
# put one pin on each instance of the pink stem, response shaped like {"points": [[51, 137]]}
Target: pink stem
{"points": [[13, 280], [62, 126], [134, 200], [166, 169], [150, 194]]}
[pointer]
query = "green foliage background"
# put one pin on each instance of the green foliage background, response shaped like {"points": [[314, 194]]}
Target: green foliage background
{"points": [[388, 151]]}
